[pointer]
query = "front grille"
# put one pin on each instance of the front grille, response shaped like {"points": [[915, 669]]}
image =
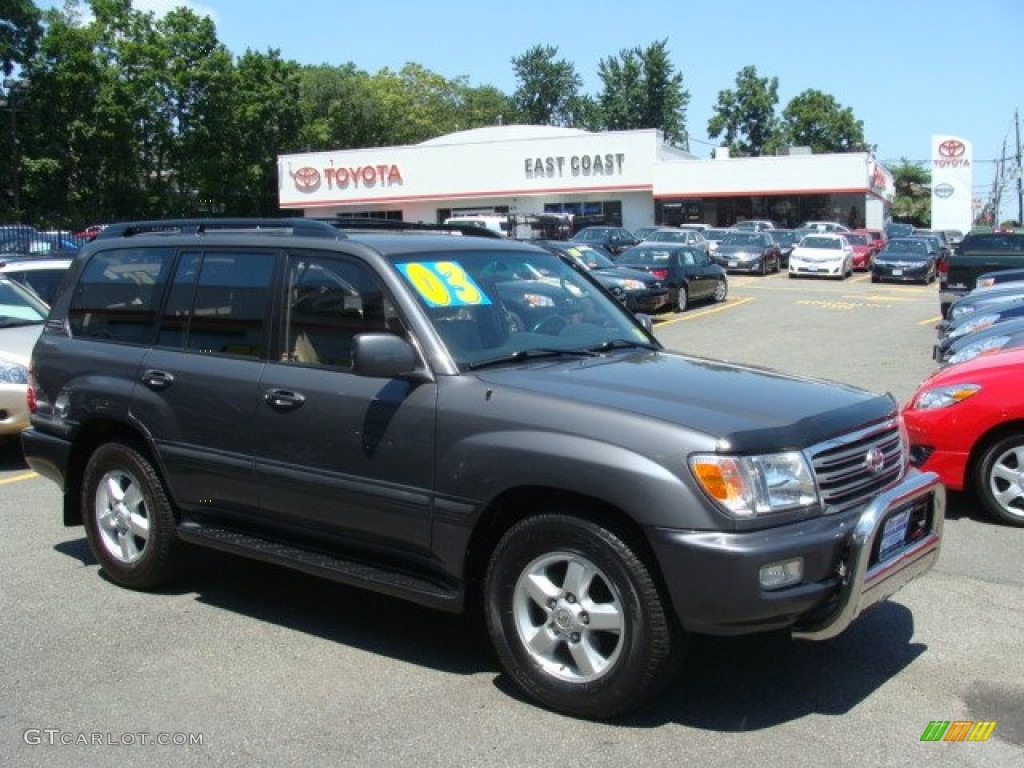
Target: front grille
{"points": [[848, 470]]}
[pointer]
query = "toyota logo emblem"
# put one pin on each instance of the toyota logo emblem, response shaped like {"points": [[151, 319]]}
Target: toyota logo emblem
{"points": [[952, 148], [306, 179], [944, 191], [875, 461]]}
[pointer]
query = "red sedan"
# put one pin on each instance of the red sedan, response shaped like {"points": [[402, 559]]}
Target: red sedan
{"points": [[864, 250], [966, 424]]}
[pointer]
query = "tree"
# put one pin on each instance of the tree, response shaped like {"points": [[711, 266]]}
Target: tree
{"points": [[264, 120], [20, 32], [643, 90], [912, 202], [745, 117], [816, 120], [548, 89]]}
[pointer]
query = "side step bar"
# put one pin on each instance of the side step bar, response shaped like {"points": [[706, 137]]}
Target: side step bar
{"points": [[409, 586]]}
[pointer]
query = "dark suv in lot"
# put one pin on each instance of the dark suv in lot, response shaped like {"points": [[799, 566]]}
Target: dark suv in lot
{"points": [[463, 421]]}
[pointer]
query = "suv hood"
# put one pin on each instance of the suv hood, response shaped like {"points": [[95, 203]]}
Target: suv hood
{"points": [[752, 410]]}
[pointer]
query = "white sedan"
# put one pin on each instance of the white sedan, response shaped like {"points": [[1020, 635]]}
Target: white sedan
{"points": [[822, 255]]}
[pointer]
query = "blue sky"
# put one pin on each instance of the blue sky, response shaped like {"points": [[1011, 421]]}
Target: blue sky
{"points": [[907, 68]]}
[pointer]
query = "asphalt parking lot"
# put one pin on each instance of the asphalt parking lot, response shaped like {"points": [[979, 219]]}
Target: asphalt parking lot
{"points": [[242, 663]]}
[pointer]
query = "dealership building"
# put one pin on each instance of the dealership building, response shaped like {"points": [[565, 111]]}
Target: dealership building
{"points": [[632, 178]]}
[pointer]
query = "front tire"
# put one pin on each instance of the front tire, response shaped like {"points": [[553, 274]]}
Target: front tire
{"points": [[576, 618], [999, 479], [128, 518], [721, 291]]}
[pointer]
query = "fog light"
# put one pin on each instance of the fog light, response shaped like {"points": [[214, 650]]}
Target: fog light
{"points": [[782, 574]]}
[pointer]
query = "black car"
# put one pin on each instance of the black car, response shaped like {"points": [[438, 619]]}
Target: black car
{"points": [[747, 251], [786, 239], [690, 273], [612, 239], [905, 259], [639, 290], [359, 406]]}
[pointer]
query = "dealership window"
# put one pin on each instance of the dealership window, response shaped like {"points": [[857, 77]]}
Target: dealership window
{"points": [[587, 213], [386, 215]]}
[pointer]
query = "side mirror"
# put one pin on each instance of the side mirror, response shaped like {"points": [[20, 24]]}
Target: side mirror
{"points": [[384, 356]]}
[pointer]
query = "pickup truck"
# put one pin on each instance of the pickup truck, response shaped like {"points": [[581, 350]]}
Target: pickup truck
{"points": [[978, 252]]}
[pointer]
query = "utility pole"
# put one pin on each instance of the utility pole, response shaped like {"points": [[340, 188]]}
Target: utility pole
{"points": [[1020, 188]]}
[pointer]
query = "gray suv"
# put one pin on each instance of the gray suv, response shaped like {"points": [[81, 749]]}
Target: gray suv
{"points": [[463, 421]]}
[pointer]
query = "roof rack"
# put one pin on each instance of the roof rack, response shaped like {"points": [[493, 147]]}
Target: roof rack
{"points": [[290, 226], [391, 225]]}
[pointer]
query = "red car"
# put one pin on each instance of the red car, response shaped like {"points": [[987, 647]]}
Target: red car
{"points": [[966, 424], [864, 250]]}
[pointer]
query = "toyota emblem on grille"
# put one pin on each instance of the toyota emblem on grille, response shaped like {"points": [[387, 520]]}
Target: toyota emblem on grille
{"points": [[952, 148], [875, 461]]}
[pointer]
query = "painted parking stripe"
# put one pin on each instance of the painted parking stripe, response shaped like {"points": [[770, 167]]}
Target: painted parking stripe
{"points": [[18, 478], [702, 313]]}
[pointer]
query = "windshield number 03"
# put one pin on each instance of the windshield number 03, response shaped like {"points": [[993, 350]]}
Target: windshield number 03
{"points": [[444, 284]]}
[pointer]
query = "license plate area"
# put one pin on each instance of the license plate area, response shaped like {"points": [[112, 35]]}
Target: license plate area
{"points": [[901, 529]]}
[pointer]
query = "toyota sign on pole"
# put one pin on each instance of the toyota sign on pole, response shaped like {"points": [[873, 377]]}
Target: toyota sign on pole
{"points": [[952, 161]]}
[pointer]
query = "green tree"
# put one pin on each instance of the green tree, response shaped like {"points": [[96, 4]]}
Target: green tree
{"points": [[912, 201], [265, 121], [745, 117], [484, 105], [338, 108], [20, 32], [816, 120], [548, 88], [641, 89]]}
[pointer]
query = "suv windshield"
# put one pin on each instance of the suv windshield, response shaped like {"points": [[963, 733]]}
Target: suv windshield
{"points": [[494, 305]]}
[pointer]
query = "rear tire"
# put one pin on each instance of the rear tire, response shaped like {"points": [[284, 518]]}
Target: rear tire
{"points": [[682, 300], [576, 618], [999, 479], [128, 518]]}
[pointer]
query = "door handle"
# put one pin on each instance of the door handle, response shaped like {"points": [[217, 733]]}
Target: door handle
{"points": [[283, 399], [157, 379]]}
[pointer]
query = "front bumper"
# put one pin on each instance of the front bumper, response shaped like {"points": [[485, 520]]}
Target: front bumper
{"points": [[901, 274], [713, 577], [816, 268]]}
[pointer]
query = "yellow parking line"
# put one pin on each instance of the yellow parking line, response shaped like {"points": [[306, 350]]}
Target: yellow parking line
{"points": [[17, 478], [931, 320], [702, 313]]}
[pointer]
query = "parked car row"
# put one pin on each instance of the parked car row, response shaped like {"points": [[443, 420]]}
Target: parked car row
{"points": [[966, 421]]}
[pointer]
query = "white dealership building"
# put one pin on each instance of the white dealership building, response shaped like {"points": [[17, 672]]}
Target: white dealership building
{"points": [[630, 177]]}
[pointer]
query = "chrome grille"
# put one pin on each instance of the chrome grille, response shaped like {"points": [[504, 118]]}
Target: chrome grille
{"points": [[843, 467]]}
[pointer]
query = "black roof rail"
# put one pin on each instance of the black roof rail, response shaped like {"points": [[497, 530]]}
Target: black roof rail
{"points": [[392, 225], [290, 226]]}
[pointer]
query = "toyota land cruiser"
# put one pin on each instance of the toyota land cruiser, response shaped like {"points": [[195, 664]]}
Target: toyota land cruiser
{"points": [[458, 421]]}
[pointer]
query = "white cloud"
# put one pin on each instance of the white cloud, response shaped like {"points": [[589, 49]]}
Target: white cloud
{"points": [[161, 7]]}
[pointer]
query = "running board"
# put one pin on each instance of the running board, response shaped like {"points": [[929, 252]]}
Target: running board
{"points": [[408, 586]]}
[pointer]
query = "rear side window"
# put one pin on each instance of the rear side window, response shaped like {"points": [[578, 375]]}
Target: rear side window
{"points": [[218, 303], [117, 295]]}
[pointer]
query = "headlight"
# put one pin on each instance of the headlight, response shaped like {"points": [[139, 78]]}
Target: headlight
{"points": [[13, 373], [972, 325], [961, 311], [971, 351], [943, 397], [538, 300], [747, 486], [633, 285]]}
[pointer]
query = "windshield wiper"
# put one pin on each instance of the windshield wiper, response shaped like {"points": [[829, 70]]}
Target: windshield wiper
{"points": [[607, 346], [532, 354]]}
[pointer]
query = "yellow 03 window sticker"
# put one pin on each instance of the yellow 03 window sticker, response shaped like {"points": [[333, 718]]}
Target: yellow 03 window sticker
{"points": [[443, 284]]}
